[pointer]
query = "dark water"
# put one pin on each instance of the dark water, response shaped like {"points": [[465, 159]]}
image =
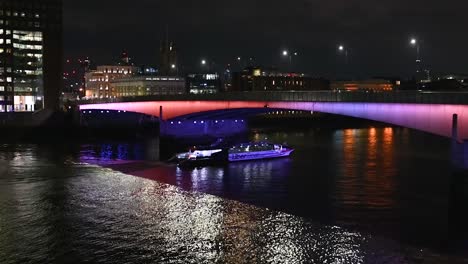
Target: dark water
{"points": [[371, 195]]}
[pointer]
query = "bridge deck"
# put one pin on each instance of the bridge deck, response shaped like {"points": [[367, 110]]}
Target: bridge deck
{"points": [[409, 97]]}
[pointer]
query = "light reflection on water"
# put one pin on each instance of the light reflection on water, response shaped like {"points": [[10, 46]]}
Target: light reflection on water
{"points": [[105, 216], [58, 208]]}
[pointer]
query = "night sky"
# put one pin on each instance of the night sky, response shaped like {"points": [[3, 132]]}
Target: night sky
{"points": [[376, 32]]}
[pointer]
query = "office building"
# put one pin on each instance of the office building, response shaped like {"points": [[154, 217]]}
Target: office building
{"points": [[269, 79], [374, 85], [98, 82], [203, 83], [30, 54], [147, 85]]}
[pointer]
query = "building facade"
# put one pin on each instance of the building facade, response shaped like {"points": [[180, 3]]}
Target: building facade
{"points": [[148, 85], [203, 83], [98, 82], [374, 85], [258, 79], [30, 54]]}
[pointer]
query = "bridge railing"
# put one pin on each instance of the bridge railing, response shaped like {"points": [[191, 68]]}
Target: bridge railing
{"points": [[306, 96]]}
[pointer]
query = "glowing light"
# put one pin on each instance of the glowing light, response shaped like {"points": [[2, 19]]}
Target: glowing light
{"points": [[413, 41], [285, 53], [173, 66], [341, 48], [203, 62], [432, 118]]}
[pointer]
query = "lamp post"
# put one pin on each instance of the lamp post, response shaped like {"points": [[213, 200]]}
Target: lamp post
{"points": [[415, 43], [343, 49], [239, 61], [289, 55], [203, 64]]}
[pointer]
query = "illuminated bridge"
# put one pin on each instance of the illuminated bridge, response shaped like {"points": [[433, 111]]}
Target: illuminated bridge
{"points": [[426, 111]]}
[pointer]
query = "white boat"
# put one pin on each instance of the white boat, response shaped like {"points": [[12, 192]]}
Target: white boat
{"points": [[257, 150]]}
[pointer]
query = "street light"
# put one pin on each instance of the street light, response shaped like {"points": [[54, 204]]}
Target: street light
{"points": [[288, 54], [416, 43], [342, 48], [203, 62], [173, 66]]}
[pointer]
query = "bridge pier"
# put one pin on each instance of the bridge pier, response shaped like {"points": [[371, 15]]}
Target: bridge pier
{"points": [[458, 196], [162, 124]]}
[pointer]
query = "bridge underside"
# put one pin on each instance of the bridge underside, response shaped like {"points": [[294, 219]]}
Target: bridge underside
{"points": [[432, 118]]}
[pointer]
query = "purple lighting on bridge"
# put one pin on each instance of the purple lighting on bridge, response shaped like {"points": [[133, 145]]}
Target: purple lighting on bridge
{"points": [[432, 118]]}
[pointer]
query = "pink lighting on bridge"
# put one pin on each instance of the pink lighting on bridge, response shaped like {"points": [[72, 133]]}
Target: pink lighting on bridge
{"points": [[432, 118]]}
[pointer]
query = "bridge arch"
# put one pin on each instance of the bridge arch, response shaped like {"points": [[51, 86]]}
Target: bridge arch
{"points": [[432, 118]]}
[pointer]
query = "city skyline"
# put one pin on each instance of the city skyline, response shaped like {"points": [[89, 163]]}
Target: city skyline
{"points": [[377, 34]]}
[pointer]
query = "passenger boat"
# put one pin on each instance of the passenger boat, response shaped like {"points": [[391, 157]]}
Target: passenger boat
{"points": [[239, 152], [260, 150]]}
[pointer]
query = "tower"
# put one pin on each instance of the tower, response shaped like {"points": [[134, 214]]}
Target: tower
{"points": [[168, 57]]}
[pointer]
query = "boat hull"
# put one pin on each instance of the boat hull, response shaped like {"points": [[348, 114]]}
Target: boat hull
{"points": [[234, 157]]}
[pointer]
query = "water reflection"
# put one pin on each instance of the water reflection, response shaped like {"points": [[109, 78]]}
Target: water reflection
{"points": [[54, 210], [107, 152], [369, 176], [113, 217]]}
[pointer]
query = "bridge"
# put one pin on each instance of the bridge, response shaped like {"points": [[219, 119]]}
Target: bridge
{"points": [[426, 111]]}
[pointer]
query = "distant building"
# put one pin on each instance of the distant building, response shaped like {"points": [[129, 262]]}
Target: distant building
{"points": [[147, 85], [148, 70], [260, 79], [30, 54], [203, 83], [375, 85], [168, 58], [227, 79], [98, 82], [74, 77]]}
